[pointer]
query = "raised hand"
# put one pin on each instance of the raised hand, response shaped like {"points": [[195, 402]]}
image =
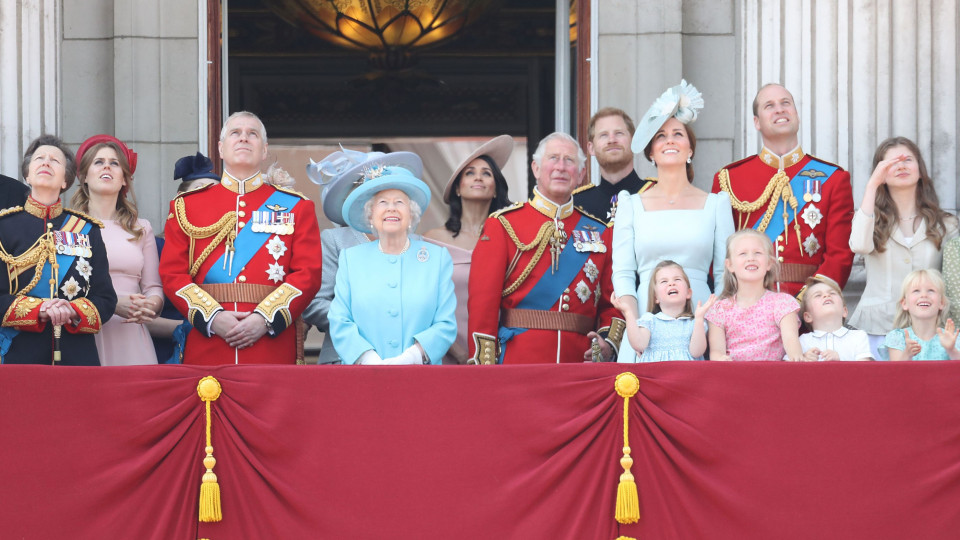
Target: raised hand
{"points": [[948, 335], [910, 346], [883, 168], [702, 308]]}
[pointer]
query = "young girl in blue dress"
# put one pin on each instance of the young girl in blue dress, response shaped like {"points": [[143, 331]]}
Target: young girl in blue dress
{"points": [[923, 331], [670, 329]]}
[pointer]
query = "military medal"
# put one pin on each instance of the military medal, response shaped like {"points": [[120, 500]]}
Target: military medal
{"points": [[807, 194], [816, 191]]}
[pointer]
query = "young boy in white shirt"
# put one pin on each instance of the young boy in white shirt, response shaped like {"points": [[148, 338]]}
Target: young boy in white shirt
{"points": [[825, 311]]}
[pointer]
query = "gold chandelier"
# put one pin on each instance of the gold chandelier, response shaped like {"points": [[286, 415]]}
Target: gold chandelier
{"points": [[388, 29]]}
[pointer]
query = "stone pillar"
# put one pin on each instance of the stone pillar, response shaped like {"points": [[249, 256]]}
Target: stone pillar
{"points": [[646, 46], [30, 85], [130, 70]]}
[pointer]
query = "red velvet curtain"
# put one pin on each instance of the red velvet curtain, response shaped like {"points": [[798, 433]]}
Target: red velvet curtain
{"points": [[722, 451]]}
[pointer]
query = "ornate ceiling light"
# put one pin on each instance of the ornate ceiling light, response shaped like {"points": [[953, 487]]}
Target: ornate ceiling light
{"points": [[388, 29]]}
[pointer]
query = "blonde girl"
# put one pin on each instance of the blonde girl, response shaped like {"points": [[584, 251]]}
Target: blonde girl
{"points": [[669, 329], [923, 331], [750, 321]]}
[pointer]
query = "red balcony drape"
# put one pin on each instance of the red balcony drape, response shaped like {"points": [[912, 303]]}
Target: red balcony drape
{"points": [[722, 451]]}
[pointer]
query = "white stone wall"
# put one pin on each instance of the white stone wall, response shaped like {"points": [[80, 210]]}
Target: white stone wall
{"points": [[130, 69], [29, 82]]}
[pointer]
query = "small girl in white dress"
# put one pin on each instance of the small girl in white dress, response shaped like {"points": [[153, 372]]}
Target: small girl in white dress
{"points": [[670, 329]]}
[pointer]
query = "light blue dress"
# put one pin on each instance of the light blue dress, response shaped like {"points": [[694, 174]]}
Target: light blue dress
{"points": [[929, 350], [385, 302], [692, 238], [669, 337]]}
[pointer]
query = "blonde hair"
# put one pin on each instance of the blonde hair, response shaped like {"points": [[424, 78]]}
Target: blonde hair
{"points": [[652, 305], [903, 319], [773, 274], [126, 208]]}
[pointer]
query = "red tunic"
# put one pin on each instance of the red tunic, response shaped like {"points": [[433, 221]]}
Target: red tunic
{"points": [[491, 273], [278, 287], [828, 221]]}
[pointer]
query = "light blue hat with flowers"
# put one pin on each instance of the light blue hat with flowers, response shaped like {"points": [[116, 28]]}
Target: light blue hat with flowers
{"points": [[682, 102], [375, 180], [342, 171]]}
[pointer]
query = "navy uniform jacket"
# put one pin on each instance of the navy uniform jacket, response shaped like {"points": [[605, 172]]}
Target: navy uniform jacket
{"points": [[84, 282]]}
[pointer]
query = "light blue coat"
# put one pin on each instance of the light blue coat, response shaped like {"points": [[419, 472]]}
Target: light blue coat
{"points": [[385, 302]]}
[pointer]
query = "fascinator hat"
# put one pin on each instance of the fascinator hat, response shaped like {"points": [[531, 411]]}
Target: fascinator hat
{"points": [[499, 149], [342, 171], [376, 179], [194, 168], [97, 139], [682, 102]]}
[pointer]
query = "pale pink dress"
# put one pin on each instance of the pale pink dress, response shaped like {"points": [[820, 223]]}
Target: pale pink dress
{"points": [[753, 333], [461, 277], [134, 268]]}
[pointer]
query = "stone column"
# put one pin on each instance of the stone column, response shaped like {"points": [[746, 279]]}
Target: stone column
{"points": [[30, 85]]}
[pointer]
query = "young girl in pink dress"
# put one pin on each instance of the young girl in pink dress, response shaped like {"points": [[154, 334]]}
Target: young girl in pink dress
{"points": [[750, 321]]}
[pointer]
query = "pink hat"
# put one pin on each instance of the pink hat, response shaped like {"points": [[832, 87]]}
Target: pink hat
{"points": [[499, 149], [97, 139]]}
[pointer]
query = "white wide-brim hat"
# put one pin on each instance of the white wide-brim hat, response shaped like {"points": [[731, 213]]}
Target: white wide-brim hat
{"points": [[341, 172], [379, 180], [682, 101], [499, 149]]}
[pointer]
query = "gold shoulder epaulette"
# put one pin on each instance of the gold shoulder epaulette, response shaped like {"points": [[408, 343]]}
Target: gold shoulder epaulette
{"points": [[583, 188], [512, 207], [11, 210], [87, 217], [591, 216], [192, 191], [291, 192]]}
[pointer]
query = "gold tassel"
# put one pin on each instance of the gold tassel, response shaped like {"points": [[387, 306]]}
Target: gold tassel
{"points": [[625, 538], [628, 504], [209, 390]]}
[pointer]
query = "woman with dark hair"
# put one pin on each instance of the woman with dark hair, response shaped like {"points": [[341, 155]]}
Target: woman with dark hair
{"points": [[476, 189], [106, 192], [58, 288], [899, 228], [673, 219]]}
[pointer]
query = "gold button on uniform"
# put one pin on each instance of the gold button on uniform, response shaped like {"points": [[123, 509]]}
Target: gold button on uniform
{"points": [[241, 213], [780, 259], [242, 204], [242, 279], [241, 224]]}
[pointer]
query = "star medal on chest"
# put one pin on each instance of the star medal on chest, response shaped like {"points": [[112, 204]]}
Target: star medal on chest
{"points": [[812, 216], [591, 270], [811, 245], [276, 248], [276, 220]]}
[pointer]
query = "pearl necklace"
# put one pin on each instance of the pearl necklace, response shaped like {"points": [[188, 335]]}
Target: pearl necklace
{"points": [[402, 251]]}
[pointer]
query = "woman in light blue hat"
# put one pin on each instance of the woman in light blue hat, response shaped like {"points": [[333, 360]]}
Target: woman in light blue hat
{"points": [[672, 220], [340, 173], [393, 301]]}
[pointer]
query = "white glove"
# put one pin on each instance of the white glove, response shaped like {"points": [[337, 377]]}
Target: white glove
{"points": [[411, 357], [370, 358]]}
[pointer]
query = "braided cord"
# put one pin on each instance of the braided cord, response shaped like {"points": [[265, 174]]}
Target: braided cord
{"points": [[540, 242], [225, 227]]}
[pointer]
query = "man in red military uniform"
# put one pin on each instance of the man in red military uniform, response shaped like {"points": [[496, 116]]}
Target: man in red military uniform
{"points": [[540, 285], [804, 204], [242, 257]]}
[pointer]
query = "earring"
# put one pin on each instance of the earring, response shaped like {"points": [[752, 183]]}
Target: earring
{"points": [[690, 159], [654, 162]]}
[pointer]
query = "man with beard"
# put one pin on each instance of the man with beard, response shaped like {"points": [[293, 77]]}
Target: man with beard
{"points": [[609, 134]]}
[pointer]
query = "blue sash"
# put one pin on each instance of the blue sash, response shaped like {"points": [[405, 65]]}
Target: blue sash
{"points": [[247, 243], [551, 285], [42, 288], [819, 170]]}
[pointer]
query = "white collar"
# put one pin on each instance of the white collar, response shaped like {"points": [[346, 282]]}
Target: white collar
{"points": [[840, 332], [664, 317]]}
